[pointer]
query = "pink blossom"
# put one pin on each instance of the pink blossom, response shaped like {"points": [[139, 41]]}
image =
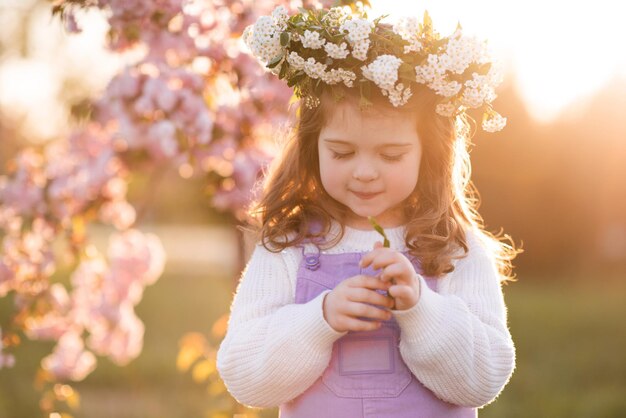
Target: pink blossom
{"points": [[118, 213], [144, 106], [70, 360], [56, 321], [6, 360], [27, 259], [125, 85], [24, 191], [6, 278], [162, 141], [139, 253], [78, 170], [115, 188], [165, 99], [162, 108], [122, 342]]}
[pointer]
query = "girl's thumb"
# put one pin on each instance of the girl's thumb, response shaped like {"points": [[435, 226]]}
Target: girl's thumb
{"points": [[378, 244]]}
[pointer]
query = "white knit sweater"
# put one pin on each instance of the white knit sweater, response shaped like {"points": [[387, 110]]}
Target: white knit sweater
{"points": [[455, 341]]}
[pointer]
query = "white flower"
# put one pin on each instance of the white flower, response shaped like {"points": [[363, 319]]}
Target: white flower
{"points": [[431, 71], [359, 50], [348, 77], [263, 39], [495, 75], [415, 46], [336, 15], [358, 30], [383, 71], [295, 60], [457, 57], [445, 109], [280, 17], [399, 95], [336, 51], [444, 88], [311, 102], [462, 51], [424, 74], [493, 122], [331, 77], [312, 40], [335, 76], [444, 71], [477, 91], [408, 29], [314, 69], [472, 98]]}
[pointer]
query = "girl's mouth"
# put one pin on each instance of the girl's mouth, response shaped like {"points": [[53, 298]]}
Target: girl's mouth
{"points": [[365, 196]]}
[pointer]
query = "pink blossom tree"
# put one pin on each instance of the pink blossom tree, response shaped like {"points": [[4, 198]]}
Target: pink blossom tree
{"points": [[193, 100]]}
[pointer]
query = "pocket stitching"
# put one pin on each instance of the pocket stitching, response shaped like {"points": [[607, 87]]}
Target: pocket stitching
{"points": [[392, 358]]}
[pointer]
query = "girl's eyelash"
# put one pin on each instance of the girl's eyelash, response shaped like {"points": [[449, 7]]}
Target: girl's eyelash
{"points": [[393, 157], [339, 156]]}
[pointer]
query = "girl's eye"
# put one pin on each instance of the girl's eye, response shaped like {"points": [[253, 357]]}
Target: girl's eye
{"points": [[392, 157], [339, 156]]}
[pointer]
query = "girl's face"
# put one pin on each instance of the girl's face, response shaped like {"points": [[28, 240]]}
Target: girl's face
{"points": [[369, 162]]}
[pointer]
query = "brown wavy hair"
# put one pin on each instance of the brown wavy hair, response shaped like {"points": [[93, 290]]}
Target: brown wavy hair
{"points": [[442, 206]]}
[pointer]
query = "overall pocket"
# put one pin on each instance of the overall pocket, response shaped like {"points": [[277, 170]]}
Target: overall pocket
{"points": [[368, 364]]}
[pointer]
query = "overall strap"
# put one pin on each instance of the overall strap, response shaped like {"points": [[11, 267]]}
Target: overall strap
{"points": [[310, 260]]}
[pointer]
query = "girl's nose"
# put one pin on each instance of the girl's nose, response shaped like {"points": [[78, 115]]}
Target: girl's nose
{"points": [[365, 172]]}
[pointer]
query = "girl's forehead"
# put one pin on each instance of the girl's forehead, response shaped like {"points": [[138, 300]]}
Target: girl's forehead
{"points": [[349, 123], [347, 112]]}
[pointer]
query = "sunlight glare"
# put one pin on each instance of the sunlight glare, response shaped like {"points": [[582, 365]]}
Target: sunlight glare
{"points": [[561, 51]]}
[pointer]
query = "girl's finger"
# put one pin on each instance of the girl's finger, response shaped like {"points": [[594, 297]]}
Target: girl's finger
{"points": [[367, 258], [383, 259], [395, 270], [363, 310], [354, 324], [363, 281], [368, 296], [400, 291]]}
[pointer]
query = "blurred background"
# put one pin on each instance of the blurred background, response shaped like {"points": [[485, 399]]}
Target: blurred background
{"points": [[554, 180]]}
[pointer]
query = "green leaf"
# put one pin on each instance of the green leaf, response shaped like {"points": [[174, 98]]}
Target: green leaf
{"points": [[285, 37], [427, 20], [275, 61], [379, 229], [283, 70]]}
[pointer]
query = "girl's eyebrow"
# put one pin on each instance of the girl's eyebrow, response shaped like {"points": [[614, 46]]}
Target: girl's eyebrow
{"points": [[390, 144]]}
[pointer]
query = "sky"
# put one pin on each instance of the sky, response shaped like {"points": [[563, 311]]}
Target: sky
{"points": [[561, 52]]}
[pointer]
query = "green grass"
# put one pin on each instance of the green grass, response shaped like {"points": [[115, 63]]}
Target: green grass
{"points": [[570, 338], [571, 343]]}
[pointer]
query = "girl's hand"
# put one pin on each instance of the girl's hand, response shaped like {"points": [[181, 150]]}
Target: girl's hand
{"points": [[349, 299], [397, 270]]}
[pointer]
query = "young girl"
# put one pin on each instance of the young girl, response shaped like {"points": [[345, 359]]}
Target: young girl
{"points": [[327, 321]]}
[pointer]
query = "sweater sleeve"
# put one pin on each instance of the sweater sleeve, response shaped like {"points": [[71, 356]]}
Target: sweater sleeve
{"points": [[456, 342], [274, 349]]}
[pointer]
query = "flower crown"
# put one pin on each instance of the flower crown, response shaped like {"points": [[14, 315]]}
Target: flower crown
{"points": [[340, 46]]}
